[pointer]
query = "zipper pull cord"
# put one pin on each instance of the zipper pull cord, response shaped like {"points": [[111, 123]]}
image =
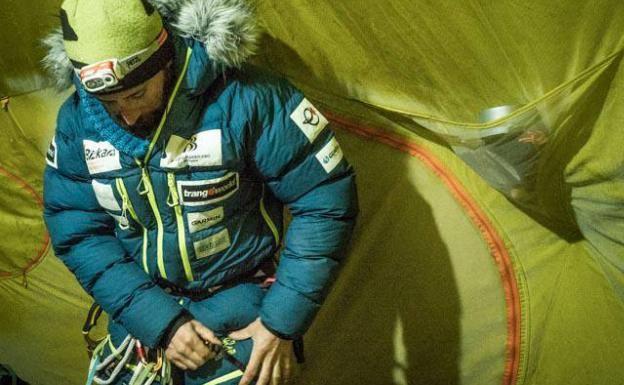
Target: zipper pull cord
{"points": [[124, 206], [172, 199], [124, 213], [142, 187]]}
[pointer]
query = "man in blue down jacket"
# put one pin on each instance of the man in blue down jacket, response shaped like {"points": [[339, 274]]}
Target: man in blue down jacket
{"points": [[165, 188]]}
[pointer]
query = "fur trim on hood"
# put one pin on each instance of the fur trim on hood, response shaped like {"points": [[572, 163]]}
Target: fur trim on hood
{"points": [[227, 28]]}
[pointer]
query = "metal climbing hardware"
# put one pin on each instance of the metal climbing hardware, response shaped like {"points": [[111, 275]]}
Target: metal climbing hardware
{"points": [[131, 360]]}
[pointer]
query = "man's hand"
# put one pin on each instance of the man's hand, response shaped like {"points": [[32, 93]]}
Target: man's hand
{"points": [[271, 357], [191, 346]]}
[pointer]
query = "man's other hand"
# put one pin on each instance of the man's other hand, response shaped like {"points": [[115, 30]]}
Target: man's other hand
{"points": [[272, 359], [191, 346]]}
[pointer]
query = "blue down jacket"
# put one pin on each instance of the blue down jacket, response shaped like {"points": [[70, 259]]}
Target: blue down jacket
{"points": [[202, 202]]}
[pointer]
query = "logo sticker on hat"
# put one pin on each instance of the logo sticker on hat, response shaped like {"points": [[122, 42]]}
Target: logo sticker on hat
{"points": [[68, 32], [149, 8]]}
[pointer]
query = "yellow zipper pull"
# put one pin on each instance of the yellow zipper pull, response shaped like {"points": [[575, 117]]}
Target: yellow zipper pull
{"points": [[143, 187], [172, 197], [124, 216], [124, 207]]}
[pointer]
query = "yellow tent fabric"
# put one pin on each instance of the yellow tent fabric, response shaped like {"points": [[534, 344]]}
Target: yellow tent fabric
{"points": [[452, 278], [441, 64], [43, 307]]}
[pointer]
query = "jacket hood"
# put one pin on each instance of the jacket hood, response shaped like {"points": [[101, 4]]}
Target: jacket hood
{"points": [[227, 30]]}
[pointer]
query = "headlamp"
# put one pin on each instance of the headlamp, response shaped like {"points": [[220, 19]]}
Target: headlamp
{"points": [[99, 76], [108, 74]]}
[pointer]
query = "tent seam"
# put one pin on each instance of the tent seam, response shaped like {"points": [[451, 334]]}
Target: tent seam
{"points": [[42, 251]]}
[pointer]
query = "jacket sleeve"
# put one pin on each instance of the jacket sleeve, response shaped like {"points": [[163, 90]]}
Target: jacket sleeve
{"points": [[303, 165], [83, 238]]}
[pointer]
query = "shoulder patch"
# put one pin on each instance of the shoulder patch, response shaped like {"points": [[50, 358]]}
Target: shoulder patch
{"points": [[330, 155], [308, 119], [51, 155], [101, 157], [201, 149]]}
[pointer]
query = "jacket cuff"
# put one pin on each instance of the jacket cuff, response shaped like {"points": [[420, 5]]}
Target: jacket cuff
{"points": [[275, 332], [139, 318], [173, 327], [287, 313]]}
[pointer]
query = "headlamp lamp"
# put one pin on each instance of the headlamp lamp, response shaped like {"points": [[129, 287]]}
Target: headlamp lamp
{"points": [[99, 76]]}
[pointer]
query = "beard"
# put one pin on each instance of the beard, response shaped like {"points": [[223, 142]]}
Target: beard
{"points": [[146, 125]]}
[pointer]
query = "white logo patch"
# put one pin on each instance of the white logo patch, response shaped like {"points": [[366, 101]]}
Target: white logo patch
{"points": [[201, 192], [205, 219], [212, 245], [309, 119], [51, 155], [101, 156], [202, 149], [330, 155], [105, 197]]}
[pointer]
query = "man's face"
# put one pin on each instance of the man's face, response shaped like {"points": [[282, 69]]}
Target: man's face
{"points": [[140, 108]]}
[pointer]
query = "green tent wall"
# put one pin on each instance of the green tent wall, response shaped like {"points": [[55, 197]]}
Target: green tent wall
{"points": [[449, 280]]}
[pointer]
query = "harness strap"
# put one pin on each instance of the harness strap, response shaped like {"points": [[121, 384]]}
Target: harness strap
{"points": [[263, 275], [92, 317]]}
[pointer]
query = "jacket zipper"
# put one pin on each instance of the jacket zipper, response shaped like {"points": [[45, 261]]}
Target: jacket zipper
{"points": [[146, 188], [174, 201], [126, 206], [269, 221]]}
